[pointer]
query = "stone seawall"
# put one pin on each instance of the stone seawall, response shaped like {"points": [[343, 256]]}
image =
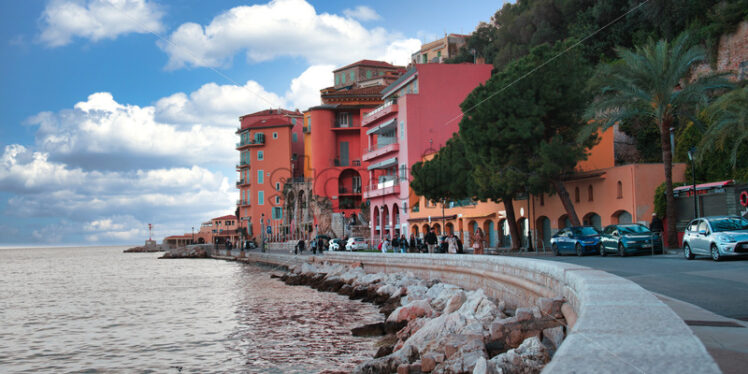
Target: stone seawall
{"points": [[619, 327]]}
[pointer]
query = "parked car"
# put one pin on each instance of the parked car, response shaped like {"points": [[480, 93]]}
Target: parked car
{"points": [[335, 245], [629, 239], [578, 240], [356, 244], [718, 237]]}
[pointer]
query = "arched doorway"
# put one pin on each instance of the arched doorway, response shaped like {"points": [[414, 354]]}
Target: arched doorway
{"points": [[505, 238], [592, 219], [414, 230], [543, 225], [395, 220], [385, 222], [425, 229], [564, 222], [437, 229], [460, 230], [376, 222], [491, 232], [621, 217], [449, 228], [349, 189], [524, 231]]}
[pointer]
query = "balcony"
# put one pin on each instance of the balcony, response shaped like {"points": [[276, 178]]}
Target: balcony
{"points": [[337, 162], [380, 150], [249, 143], [242, 164], [338, 126], [349, 191], [241, 182], [242, 203], [379, 112], [387, 185]]}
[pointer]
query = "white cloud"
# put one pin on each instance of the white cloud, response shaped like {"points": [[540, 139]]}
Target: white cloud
{"points": [[304, 90], [362, 13], [62, 20], [290, 28], [102, 132]]}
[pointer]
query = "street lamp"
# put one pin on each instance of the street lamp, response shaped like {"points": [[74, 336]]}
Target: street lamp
{"points": [[262, 232], [691, 156], [193, 234]]}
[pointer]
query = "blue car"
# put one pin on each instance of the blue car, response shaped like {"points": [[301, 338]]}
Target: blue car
{"points": [[578, 240], [629, 239]]}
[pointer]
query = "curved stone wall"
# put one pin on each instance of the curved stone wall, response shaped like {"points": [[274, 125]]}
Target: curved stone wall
{"points": [[619, 327]]}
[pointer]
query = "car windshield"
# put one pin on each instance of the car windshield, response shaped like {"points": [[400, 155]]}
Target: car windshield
{"points": [[585, 231], [633, 229], [729, 224]]}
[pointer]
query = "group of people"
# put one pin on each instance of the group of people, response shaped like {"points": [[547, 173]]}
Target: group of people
{"points": [[317, 244], [450, 244]]}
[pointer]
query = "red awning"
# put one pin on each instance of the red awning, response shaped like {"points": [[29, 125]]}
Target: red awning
{"points": [[705, 186]]}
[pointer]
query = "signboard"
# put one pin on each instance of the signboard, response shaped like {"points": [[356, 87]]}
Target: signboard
{"points": [[269, 230]]}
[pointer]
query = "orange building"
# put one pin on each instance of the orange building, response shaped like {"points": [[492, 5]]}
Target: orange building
{"points": [[602, 190], [271, 152], [439, 50]]}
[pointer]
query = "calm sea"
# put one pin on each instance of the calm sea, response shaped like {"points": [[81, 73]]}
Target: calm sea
{"points": [[98, 310]]}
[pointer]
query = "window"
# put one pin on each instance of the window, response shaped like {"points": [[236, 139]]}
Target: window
{"points": [[260, 155], [344, 119], [259, 137], [368, 74], [424, 58], [260, 177], [277, 200], [402, 130], [260, 197], [293, 121], [337, 79], [576, 194], [277, 186], [342, 78], [353, 76], [619, 190], [294, 137], [589, 193], [277, 213], [439, 54], [275, 135], [403, 171]]}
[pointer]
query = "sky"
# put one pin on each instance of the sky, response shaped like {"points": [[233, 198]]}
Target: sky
{"points": [[120, 113]]}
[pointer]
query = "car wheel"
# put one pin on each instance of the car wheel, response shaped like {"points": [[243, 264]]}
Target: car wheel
{"points": [[687, 252], [621, 250], [555, 249], [578, 247], [602, 250], [715, 253]]}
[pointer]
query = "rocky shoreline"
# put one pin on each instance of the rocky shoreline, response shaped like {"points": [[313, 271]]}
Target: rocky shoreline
{"points": [[434, 327], [144, 249], [190, 251]]}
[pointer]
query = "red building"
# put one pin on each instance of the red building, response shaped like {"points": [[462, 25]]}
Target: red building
{"points": [[337, 138], [271, 148]]}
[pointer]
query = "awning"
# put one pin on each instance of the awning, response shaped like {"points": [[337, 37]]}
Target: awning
{"points": [[383, 164], [704, 186], [382, 127], [433, 219]]}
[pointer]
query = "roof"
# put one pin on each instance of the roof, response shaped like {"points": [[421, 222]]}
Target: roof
{"points": [[399, 81], [364, 91], [268, 118], [372, 63], [230, 216], [185, 236], [269, 112], [704, 186]]}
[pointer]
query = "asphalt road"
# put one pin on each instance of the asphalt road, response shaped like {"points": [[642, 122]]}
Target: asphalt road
{"points": [[720, 287]]}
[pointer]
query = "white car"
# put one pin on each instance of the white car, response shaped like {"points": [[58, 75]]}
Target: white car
{"points": [[718, 237], [334, 245], [356, 244]]}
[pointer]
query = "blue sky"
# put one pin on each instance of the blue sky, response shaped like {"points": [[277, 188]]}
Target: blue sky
{"points": [[119, 113]]}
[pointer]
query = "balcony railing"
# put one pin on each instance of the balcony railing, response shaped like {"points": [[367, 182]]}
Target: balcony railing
{"points": [[336, 162], [339, 125], [242, 182], [378, 109], [380, 149], [385, 186], [242, 164], [242, 203], [343, 190], [259, 141]]}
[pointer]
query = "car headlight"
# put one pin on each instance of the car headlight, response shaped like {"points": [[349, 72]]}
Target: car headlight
{"points": [[726, 239]]}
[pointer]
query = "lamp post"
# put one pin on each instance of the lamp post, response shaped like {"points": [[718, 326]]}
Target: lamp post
{"points": [[262, 232], [193, 234], [691, 156]]}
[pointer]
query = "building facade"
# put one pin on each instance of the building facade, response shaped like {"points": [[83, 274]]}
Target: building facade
{"points": [[271, 151], [439, 50], [336, 137], [420, 113]]}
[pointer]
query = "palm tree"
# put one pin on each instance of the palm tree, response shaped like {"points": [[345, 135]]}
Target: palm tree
{"points": [[651, 83], [728, 129]]}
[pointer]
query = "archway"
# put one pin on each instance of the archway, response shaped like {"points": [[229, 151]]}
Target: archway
{"points": [[491, 233], [505, 238], [385, 221], [543, 226], [200, 241], [437, 229], [449, 228], [524, 231], [461, 230], [564, 222], [425, 229], [395, 220], [414, 230], [376, 222], [592, 219], [621, 217]]}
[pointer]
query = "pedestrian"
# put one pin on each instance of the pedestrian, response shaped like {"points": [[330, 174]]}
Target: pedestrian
{"points": [[395, 242], [413, 243], [478, 242], [300, 246], [452, 243], [385, 245], [459, 245], [314, 246], [656, 224], [321, 245], [403, 244], [430, 240]]}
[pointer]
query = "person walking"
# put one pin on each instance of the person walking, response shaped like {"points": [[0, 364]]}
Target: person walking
{"points": [[656, 224], [478, 242], [300, 246], [385, 245], [413, 243], [430, 240], [314, 246], [403, 244], [452, 243]]}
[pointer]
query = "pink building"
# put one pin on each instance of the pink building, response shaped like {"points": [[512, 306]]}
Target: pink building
{"points": [[421, 111]]}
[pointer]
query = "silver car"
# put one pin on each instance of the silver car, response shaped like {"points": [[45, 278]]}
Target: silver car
{"points": [[718, 237]]}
